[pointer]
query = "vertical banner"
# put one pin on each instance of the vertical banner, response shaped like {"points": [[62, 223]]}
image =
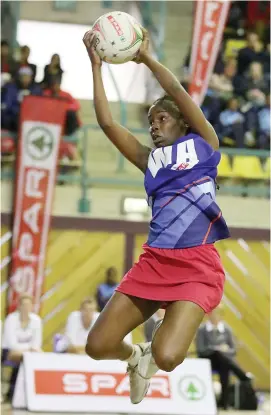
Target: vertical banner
{"points": [[41, 126], [209, 23]]}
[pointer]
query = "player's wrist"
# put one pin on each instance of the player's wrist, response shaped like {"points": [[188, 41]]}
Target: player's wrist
{"points": [[146, 58]]}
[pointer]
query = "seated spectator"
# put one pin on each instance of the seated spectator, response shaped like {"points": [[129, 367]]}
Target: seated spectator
{"points": [[263, 130], [106, 290], [72, 117], [8, 64], [78, 326], [253, 52], [253, 83], [51, 71], [215, 341], [150, 324], [23, 62], [22, 332], [231, 125], [258, 17], [221, 84], [13, 96]]}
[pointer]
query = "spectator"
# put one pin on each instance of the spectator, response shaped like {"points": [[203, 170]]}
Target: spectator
{"points": [[215, 341], [72, 117], [263, 130], [8, 64], [22, 332], [231, 125], [253, 84], [25, 53], [106, 290], [252, 52], [222, 84], [13, 97], [151, 323], [51, 71], [258, 17], [78, 326]]}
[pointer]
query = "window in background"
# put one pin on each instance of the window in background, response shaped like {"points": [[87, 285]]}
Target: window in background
{"points": [[68, 5], [47, 38]]}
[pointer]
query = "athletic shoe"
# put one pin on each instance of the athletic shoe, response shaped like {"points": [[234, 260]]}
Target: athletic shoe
{"points": [[139, 384]]}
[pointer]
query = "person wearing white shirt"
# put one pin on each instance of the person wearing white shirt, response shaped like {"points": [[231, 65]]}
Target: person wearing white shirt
{"points": [[77, 328], [22, 332]]}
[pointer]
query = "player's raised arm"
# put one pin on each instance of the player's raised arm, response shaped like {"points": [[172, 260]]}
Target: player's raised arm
{"points": [[122, 138], [191, 112]]}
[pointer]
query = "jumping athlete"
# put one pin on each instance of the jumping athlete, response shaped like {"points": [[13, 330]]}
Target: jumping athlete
{"points": [[180, 268]]}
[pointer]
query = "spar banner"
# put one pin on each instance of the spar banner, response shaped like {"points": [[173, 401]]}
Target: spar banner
{"points": [[41, 124], [209, 23]]}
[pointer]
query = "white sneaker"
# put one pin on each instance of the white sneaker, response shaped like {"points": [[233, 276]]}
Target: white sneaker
{"points": [[141, 374], [139, 384]]}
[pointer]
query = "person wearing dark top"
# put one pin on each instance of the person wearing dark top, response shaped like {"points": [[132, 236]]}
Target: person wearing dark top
{"points": [[14, 94], [253, 83], [8, 64], [106, 290], [25, 52], [252, 52], [51, 71], [215, 341]]}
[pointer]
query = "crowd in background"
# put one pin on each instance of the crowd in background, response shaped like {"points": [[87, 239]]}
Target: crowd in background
{"points": [[237, 102], [23, 331], [18, 79]]}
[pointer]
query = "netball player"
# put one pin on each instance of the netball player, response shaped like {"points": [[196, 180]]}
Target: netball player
{"points": [[180, 268]]}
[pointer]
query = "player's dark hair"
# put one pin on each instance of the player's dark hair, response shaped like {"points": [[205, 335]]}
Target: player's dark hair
{"points": [[169, 105]]}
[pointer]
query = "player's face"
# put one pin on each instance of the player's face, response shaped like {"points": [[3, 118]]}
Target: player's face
{"points": [[164, 128]]}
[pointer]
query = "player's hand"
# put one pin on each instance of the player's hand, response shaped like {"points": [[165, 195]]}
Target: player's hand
{"points": [[144, 51], [89, 40]]}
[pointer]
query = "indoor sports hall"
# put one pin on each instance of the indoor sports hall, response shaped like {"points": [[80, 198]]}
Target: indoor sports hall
{"points": [[74, 212]]}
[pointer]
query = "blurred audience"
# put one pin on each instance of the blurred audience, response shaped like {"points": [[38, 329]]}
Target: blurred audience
{"points": [[23, 62], [13, 95], [72, 117], [231, 125], [78, 326], [253, 84], [22, 332], [215, 341], [52, 70], [8, 64], [105, 290], [253, 52]]}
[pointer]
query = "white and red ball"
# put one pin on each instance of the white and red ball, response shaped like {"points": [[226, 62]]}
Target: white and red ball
{"points": [[118, 37]]}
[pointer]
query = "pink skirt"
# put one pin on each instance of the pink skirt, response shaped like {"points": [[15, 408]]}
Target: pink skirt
{"points": [[166, 275]]}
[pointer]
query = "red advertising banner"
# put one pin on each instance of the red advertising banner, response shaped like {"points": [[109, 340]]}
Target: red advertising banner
{"points": [[209, 23], [41, 126]]}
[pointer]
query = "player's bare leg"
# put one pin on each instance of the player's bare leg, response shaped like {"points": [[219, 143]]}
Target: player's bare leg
{"points": [[121, 315], [172, 338], [176, 333]]}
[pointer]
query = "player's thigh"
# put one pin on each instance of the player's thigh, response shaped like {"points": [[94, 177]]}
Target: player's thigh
{"points": [[121, 315], [173, 338]]}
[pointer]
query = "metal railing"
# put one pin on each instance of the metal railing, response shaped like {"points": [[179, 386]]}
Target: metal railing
{"points": [[119, 174]]}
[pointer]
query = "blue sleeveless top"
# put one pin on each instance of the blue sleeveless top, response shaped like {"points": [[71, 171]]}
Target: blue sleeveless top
{"points": [[180, 184]]}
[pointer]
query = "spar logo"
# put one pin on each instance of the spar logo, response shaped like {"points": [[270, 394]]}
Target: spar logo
{"points": [[39, 143], [191, 388], [52, 382]]}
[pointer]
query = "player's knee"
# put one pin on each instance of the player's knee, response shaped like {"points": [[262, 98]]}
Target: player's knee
{"points": [[167, 360], [95, 348]]}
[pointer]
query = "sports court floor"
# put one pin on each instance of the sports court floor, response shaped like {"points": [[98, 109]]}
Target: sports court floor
{"points": [[265, 410]]}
